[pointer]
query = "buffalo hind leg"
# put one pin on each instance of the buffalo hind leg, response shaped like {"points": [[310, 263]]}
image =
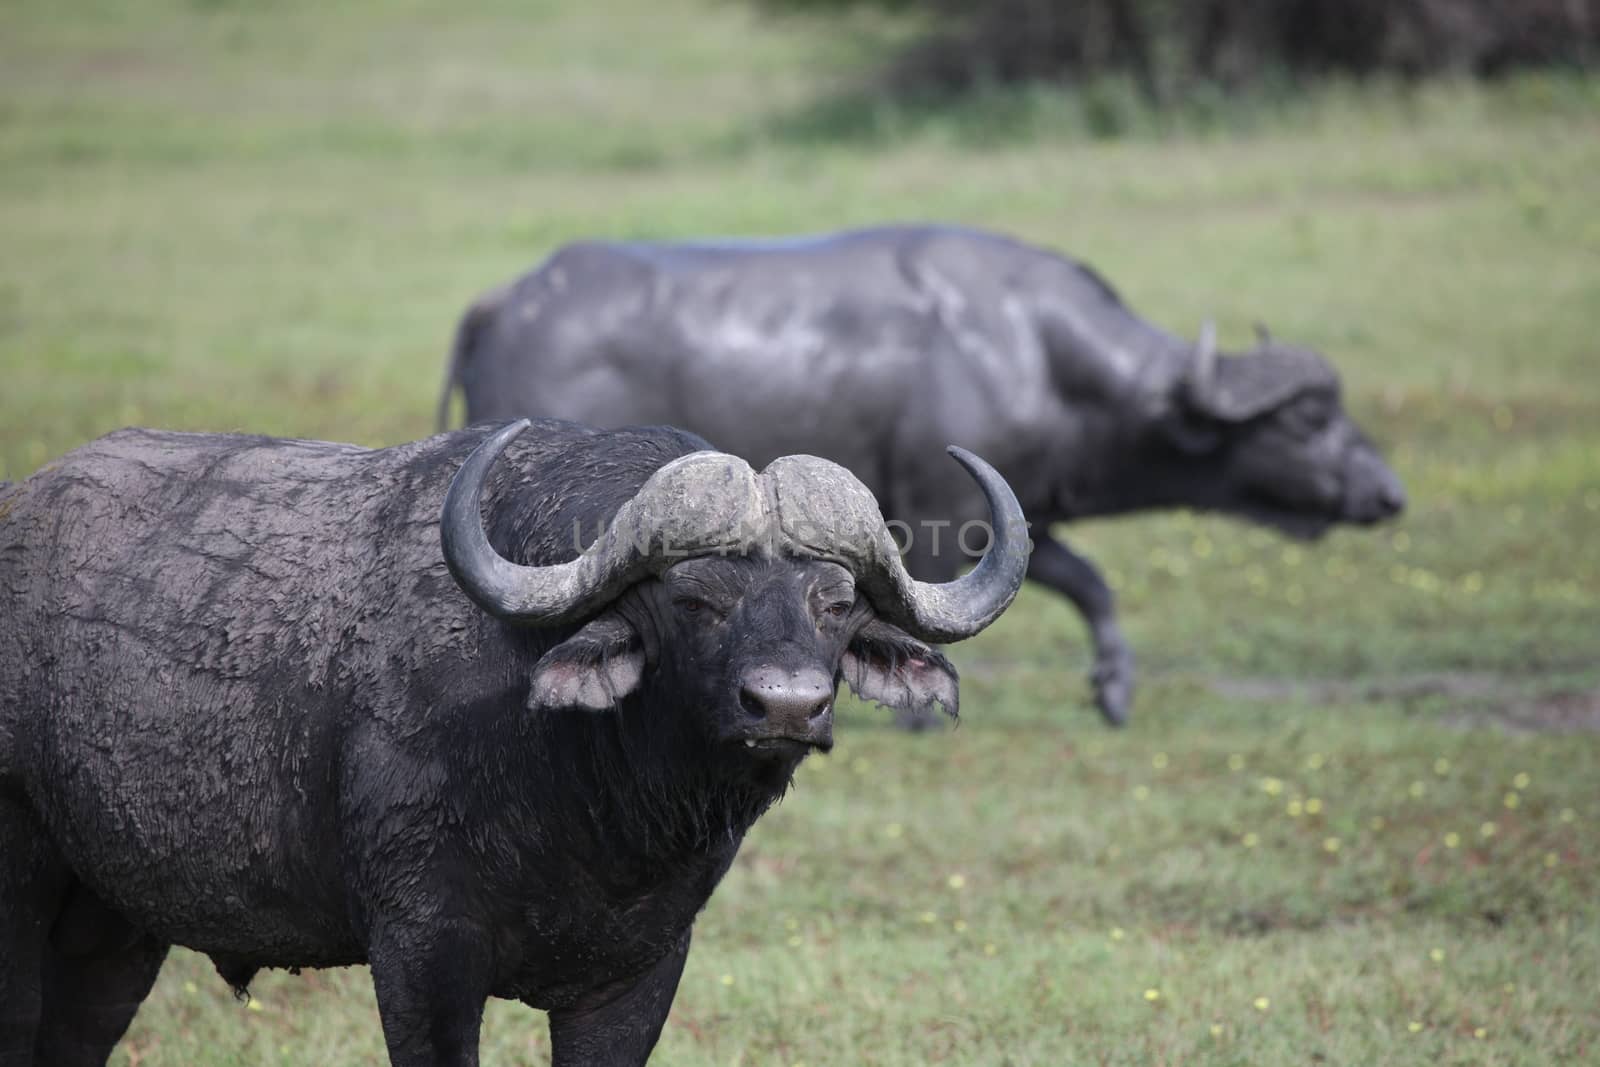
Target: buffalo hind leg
{"points": [[31, 881], [1055, 565], [98, 969], [619, 1032]]}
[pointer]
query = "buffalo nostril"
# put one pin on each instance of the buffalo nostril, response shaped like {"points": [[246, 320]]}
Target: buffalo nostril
{"points": [[783, 702], [752, 705], [786, 697]]}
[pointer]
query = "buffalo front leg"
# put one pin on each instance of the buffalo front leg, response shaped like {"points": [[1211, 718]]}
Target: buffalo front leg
{"points": [[432, 981], [92, 991], [621, 1031], [32, 880], [1055, 565]]}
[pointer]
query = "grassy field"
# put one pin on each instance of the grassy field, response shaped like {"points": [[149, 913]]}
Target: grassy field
{"points": [[1356, 819]]}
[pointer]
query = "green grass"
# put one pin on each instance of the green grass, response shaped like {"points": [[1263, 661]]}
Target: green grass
{"points": [[266, 217]]}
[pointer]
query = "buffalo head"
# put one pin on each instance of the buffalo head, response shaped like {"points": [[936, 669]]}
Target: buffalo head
{"points": [[745, 596], [1275, 440]]}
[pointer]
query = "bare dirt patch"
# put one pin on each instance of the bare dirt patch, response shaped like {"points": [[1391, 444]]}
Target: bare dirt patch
{"points": [[1463, 698]]}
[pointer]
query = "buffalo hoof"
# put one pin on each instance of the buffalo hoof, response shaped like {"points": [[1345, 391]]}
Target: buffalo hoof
{"points": [[1113, 690]]}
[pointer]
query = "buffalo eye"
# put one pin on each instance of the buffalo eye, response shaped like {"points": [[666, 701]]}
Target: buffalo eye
{"points": [[838, 609], [1310, 414], [693, 606]]}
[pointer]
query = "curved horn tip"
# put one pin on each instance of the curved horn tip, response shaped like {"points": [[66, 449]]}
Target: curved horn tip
{"points": [[956, 610], [511, 429], [476, 567], [975, 464]]}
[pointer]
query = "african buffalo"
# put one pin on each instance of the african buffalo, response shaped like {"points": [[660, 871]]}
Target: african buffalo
{"points": [[290, 704], [874, 347]]}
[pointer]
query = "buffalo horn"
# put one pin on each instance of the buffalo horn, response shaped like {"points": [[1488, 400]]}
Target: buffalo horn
{"points": [[712, 503]]}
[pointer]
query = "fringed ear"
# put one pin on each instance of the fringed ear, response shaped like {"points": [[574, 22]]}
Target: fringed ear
{"points": [[593, 669], [1240, 388], [888, 666]]}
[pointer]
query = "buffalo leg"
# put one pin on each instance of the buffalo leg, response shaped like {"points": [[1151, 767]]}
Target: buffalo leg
{"points": [[1055, 565], [31, 881], [89, 1000], [619, 1032], [432, 981]]}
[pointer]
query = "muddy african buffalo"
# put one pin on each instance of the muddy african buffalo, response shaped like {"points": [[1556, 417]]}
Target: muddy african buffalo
{"points": [[291, 704]]}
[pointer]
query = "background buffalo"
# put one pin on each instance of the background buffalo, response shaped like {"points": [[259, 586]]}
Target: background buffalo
{"points": [[868, 347]]}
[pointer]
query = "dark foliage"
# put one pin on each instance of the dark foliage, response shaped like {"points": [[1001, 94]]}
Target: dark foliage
{"points": [[1168, 44]]}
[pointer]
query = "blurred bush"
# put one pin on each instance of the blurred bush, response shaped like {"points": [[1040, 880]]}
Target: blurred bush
{"points": [[1169, 45]]}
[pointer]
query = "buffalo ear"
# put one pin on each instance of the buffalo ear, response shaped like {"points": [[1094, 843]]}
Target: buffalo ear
{"points": [[1240, 388], [593, 669], [888, 666]]}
